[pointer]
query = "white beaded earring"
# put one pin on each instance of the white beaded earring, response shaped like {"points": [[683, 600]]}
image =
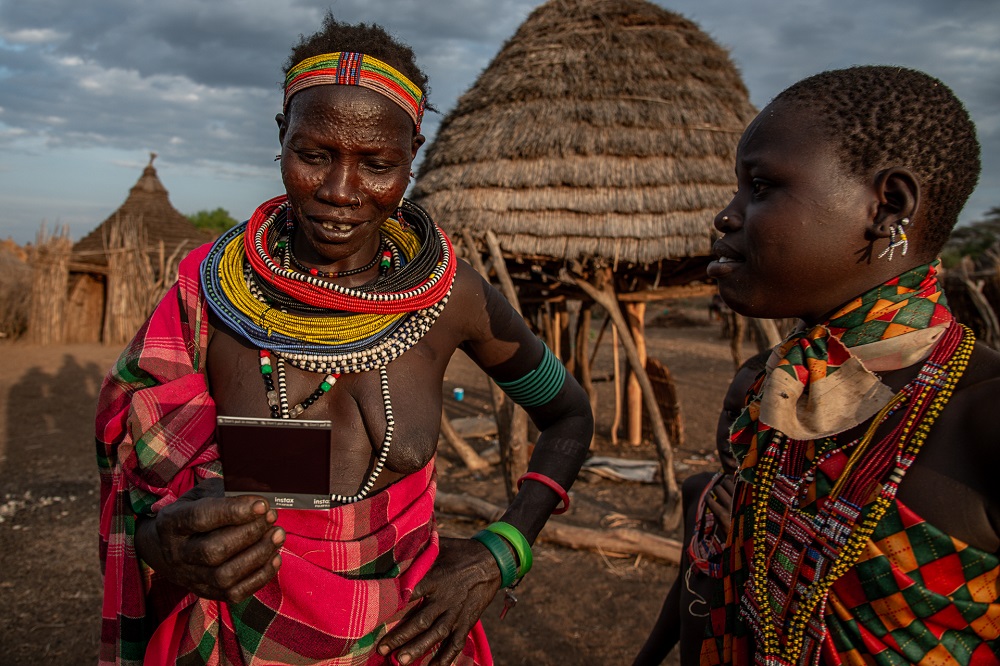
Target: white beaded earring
{"points": [[903, 242]]}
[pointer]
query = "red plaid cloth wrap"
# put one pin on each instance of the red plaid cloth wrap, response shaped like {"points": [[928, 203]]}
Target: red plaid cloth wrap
{"points": [[347, 573]]}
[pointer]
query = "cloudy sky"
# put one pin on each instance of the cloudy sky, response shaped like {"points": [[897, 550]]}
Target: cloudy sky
{"points": [[88, 89]]}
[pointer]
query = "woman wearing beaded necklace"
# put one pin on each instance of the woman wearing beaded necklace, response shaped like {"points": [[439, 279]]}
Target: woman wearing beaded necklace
{"points": [[866, 516], [338, 301]]}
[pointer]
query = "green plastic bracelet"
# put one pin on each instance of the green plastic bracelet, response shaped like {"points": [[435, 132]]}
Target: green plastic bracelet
{"points": [[501, 553], [540, 385], [517, 541]]}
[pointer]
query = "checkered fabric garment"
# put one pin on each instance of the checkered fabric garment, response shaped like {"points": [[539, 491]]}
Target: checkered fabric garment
{"points": [[915, 596], [908, 302], [347, 573], [155, 440], [804, 532]]}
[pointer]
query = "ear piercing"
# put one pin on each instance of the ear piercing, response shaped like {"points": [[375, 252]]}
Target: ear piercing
{"points": [[903, 242]]}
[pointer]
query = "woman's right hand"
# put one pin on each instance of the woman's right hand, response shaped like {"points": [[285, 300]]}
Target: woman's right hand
{"points": [[223, 548]]}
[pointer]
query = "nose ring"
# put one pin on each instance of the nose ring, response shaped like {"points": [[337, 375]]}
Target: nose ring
{"points": [[356, 203], [725, 218]]}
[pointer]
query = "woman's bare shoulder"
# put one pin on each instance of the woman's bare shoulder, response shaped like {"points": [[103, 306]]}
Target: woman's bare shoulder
{"points": [[982, 375], [475, 303], [971, 413], [468, 280]]}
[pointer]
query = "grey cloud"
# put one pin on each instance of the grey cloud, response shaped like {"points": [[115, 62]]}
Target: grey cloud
{"points": [[228, 54], [199, 81]]}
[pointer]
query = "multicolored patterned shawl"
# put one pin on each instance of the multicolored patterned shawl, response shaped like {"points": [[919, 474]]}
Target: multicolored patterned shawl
{"points": [[815, 387], [804, 527], [347, 573], [916, 595]]}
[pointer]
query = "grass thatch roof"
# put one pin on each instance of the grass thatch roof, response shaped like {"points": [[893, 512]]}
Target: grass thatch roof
{"points": [[148, 203], [604, 129]]}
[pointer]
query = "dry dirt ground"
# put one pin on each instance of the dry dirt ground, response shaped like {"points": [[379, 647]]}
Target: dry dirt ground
{"points": [[575, 607]]}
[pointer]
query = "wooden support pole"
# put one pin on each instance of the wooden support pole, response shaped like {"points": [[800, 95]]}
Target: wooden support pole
{"points": [[671, 517], [597, 342], [623, 541], [557, 326], [571, 328], [583, 368], [469, 456], [545, 324], [512, 434], [616, 422], [635, 316], [567, 332], [474, 257], [500, 266]]}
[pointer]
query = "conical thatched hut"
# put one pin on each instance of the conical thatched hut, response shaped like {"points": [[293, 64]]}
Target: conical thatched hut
{"points": [[148, 205], [130, 254], [594, 152], [603, 131]]}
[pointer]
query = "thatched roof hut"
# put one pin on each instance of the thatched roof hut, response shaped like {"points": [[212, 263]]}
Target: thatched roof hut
{"points": [[118, 270], [604, 130], [147, 205], [591, 157]]}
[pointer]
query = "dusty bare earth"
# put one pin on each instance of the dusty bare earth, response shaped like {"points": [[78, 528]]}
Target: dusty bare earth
{"points": [[575, 607]]}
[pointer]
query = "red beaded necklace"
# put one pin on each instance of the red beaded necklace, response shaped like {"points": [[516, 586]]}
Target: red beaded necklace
{"points": [[308, 289]]}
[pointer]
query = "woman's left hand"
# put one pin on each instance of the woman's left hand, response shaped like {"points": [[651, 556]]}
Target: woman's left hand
{"points": [[453, 594]]}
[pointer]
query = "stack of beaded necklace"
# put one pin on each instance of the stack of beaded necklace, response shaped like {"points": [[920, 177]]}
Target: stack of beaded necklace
{"points": [[795, 532], [806, 536], [254, 286]]}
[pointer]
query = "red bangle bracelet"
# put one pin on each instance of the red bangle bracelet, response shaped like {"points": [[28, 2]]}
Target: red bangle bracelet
{"points": [[553, 486]]}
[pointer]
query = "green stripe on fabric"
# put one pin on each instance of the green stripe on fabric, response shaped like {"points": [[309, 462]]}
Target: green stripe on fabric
{"points": [[103, 460], [539, 386], [206, 646], [251, 620], [404, 84], [367, 642], [142, 502], [127, 370]]}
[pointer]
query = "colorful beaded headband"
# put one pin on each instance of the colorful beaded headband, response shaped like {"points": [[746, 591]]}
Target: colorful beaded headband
{"points": [[356, 69]]}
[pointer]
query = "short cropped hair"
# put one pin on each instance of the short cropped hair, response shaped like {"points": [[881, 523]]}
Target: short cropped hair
{"points": [[881, 116], [367, 38]]}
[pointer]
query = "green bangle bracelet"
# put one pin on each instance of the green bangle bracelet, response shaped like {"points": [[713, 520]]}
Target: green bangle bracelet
{"points": [[538, 386], [517, 541], [501, 553]]}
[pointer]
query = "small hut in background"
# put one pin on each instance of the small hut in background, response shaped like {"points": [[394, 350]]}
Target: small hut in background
{"points": [[588, 162], [111, 278], [119, 269]]}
